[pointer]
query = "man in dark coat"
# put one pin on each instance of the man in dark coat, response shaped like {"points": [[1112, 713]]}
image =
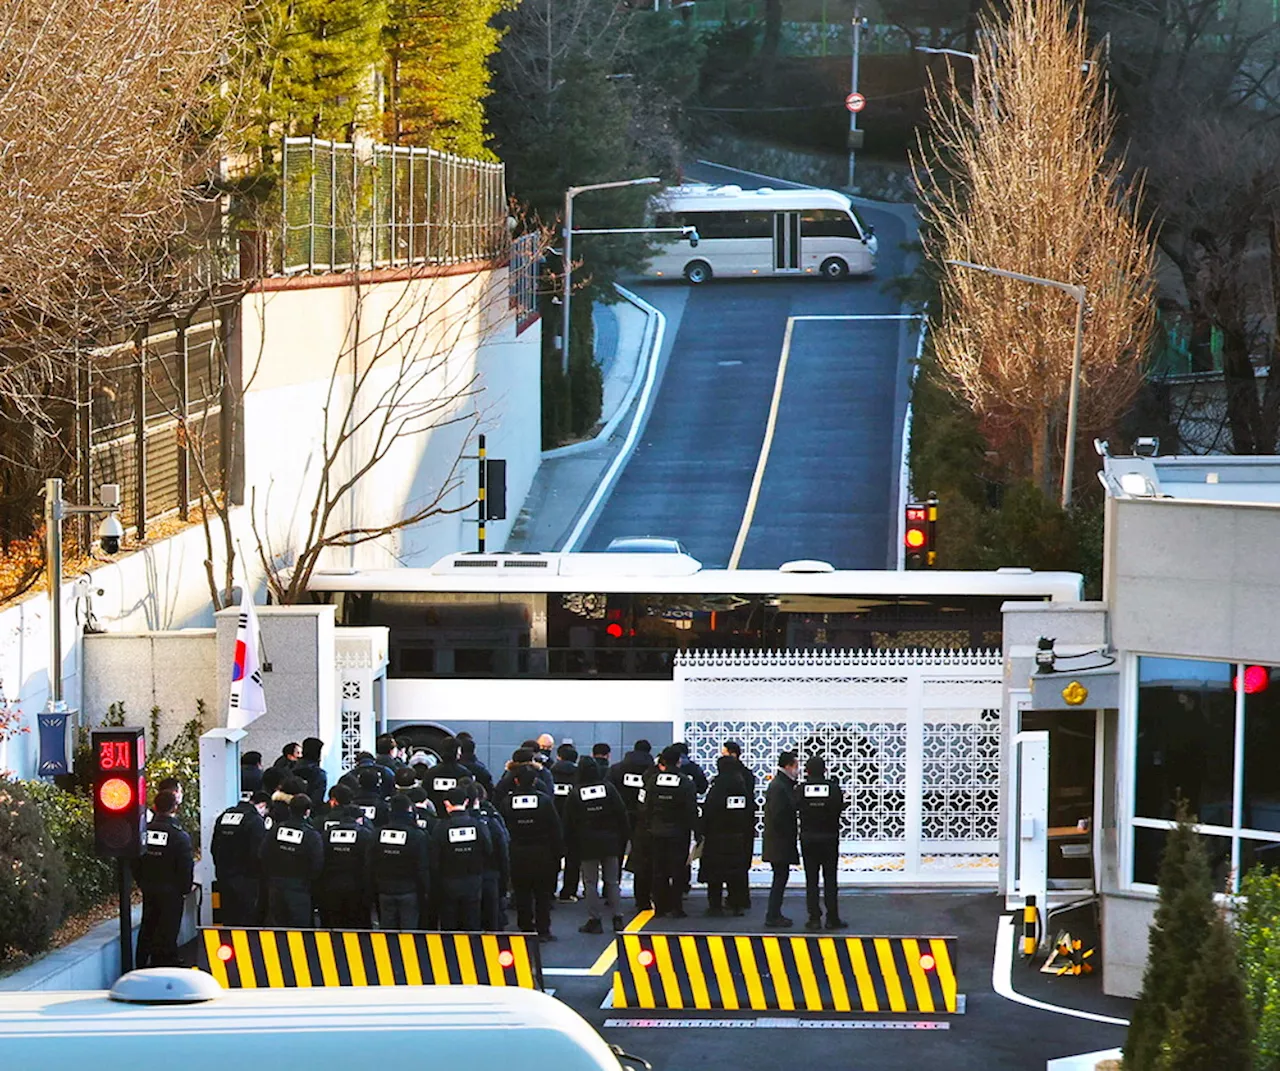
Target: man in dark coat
{"points": [[595, 826], [669, 816], [780, 834], [309, 769], [564, 772], [820, 803], [733, 748], [729, 823], [536, 848], [627, 777], [164, 876]]}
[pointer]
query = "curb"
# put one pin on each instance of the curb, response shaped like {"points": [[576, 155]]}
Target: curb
{"points": [[655, 334], [637, 379]]}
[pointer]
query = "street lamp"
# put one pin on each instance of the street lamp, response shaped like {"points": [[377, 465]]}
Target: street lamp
{"points": [[972, 57], [569, 195], [859, 24], [53, 720], [1073, 398]]}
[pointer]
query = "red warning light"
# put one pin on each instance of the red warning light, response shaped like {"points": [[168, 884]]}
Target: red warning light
{"points": [[225, 953], [506, 958], [645, 957], [115, 794], [614, 630], [914, 538], [918, 514], [1256, 679], [927, 962]]}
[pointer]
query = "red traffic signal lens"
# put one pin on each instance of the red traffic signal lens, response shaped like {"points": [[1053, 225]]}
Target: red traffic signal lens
{"points": [[115, 794], [645, 957], [1256, 679], [915, 538], [927, 962], [506, 958], [614, 630], [226, 953]]}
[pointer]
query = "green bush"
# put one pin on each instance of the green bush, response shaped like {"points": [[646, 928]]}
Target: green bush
{"points": [[1258, 947], [33, 877], [68, 819], [179, 758], [1211, 1028]]}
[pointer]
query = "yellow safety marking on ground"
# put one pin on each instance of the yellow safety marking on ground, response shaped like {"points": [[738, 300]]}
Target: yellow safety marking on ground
{"points": [[271, 959], [466, 961], [439, 966], [298, 953], [777, 968], [804, 968], [919, 982], [244, 959], [667, 972], [644, 991], [751, 972], [946, 974], [724, 979], [324, 951], [835, 976], [889, 970], [496, 974], [409, 953], [212, 942], [862, 974], [693, 969], [355, 961], [382, 959], [524, 967], [609, 956]]}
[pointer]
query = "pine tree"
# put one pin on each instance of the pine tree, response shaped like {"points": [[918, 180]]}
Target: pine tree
{"points": [[1211, 1030], [1178, 934]]}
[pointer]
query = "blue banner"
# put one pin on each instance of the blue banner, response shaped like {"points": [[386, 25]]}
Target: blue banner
{"points": [[53, 743]]}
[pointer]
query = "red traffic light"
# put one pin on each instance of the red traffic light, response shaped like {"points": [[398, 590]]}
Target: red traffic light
{"points": [[115, 794], [1256, 679], [917, 514], [915, 538], [614, 630]]}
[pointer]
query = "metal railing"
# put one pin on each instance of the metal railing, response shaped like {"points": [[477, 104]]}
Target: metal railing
{"points": [[347, 206]]}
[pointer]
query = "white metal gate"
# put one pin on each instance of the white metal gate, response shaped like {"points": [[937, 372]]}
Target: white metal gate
{"points": [[914, 737]]}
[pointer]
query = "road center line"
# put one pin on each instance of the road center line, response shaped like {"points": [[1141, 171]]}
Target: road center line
{"points": [[762, 462], [607, 957]]}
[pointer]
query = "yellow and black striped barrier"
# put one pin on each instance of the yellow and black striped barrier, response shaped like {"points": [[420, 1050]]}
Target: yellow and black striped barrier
{"points": [[786, 973], [285, 959]]}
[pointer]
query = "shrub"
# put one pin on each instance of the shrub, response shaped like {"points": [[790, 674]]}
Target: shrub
{"points": [[1211, 1028], [1258, 948], [68, 819], [32, 875], [179, 758]]}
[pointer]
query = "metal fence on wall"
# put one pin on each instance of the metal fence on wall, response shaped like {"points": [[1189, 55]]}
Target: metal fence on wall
{"points": [[348, 206]]}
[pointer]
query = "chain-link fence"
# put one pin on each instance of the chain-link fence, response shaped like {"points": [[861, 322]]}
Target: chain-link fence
{"points": [[348, 206]]}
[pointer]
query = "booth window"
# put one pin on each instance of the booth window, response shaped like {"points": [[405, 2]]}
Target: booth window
{"points": [[1207, 733]]}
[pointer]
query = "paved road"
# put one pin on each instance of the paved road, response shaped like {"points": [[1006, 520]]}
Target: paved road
{"points": [[829, 486]]}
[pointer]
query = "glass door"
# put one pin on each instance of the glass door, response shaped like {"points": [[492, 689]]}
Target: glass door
{"points": [[786, 241]]}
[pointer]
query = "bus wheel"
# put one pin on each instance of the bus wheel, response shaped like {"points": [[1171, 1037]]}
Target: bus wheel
{"points": [[697, 272], [834, 268]]}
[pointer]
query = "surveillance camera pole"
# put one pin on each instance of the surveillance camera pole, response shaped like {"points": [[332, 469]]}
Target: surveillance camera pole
{"points": [[55, 511]]}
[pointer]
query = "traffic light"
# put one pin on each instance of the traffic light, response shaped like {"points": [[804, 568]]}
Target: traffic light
{"points": [[919, 534], [119, 793]]}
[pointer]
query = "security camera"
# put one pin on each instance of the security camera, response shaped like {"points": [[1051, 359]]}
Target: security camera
{"points": [[110, 532]]}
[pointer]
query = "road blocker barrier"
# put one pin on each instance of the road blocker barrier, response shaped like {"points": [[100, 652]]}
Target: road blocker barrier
{"points": [[285, 959], [881, 975]]}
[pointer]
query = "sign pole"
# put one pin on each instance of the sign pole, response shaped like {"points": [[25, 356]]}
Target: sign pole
{"points": [[126, 915]]}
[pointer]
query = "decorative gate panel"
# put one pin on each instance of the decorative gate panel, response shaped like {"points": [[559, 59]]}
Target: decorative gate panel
{"points": [[914, 737]]}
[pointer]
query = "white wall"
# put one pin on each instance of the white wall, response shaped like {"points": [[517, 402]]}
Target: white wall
{"points": [[289, 341]]}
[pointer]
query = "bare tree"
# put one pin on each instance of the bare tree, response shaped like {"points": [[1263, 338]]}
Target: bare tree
{"points": [[1019, 178]]}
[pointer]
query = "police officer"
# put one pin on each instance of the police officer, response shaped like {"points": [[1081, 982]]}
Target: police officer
{"points": [[401, 868], [733, 748], [445, 775], [496, 876], [368, 797], [729, 823], [627, 777], [164, 876], [309, 769], [820, 803], [250, 773], [536, 848], [595, 827], [522, 756], [459, 847], [365, 760], [236, 845], [564, 772], [780, 834], [467, 757], [342, 893], [669, 816], [292, 859]]}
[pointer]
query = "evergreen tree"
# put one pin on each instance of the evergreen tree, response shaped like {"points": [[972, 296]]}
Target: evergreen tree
{"points": [[1177, 939], [438, 72], [1211, 1030]]}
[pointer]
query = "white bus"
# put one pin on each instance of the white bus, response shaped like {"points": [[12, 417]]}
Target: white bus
{"points": [[761, 232], [509, 645]]}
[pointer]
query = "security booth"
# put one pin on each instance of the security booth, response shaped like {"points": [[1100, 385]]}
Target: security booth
{"points": [[1171, 684]]}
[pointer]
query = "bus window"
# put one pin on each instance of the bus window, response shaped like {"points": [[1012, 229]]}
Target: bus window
{"points": [[827, 223]]}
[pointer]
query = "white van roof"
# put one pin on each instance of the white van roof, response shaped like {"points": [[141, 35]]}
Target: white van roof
{"points": [[467, 1026]]}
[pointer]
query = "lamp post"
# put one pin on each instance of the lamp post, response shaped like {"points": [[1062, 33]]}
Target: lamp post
{"points": [[972, 57], [1073, 397], [859, 23], [569, 195]]}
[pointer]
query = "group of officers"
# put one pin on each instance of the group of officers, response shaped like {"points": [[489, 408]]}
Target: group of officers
{"points": [[410, 845]]}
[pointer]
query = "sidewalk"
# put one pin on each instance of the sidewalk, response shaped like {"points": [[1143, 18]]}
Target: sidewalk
{"points": [[567, 476]]}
